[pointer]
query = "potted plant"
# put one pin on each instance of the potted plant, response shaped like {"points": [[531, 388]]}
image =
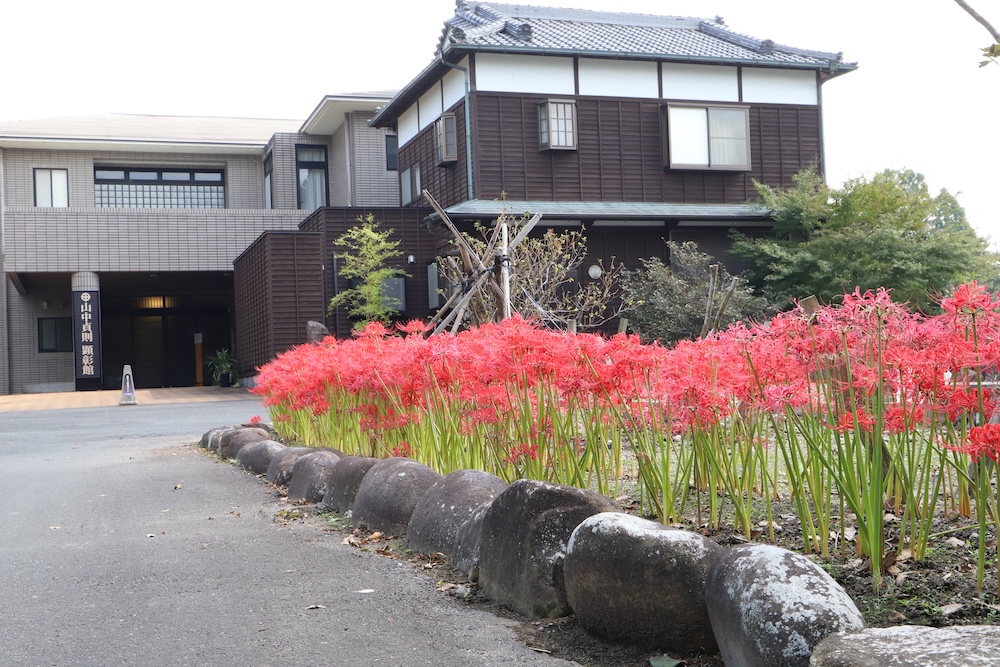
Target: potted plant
{"points": [[223, 368]]}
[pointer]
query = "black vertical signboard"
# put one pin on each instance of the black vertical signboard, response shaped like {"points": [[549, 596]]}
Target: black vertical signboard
{"points": [[87, 339]]}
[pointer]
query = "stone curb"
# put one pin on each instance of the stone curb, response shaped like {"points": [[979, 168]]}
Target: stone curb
{"points": [[736, 618]]}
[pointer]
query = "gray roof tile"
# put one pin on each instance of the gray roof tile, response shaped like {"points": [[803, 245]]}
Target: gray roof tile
{"points": [[489, 26]]}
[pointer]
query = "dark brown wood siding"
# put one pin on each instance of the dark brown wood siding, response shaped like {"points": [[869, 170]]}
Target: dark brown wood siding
{"points": [[278, 288], [619, 155], [413, 237], [448, 183]]}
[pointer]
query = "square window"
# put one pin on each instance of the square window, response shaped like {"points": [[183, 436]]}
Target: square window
{"points": [[51, 188], [707, 137], [557, 125]]}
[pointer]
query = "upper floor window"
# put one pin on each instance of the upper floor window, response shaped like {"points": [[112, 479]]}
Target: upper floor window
{"points": [[557, 125], [409, 184], [310, 161], [268, 193], [52, 188], [391, 152], [447, 139], [153, 187], [701, 137]]}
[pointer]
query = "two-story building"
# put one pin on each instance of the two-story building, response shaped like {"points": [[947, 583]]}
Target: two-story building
{"points": [[119, 233], [155, 241], [639, 127]]}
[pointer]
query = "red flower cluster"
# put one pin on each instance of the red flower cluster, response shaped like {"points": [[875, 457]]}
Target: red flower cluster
{"points": [[869, 354], [982, 440]]}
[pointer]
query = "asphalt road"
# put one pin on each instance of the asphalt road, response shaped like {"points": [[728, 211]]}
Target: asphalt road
{"points": [[121, 543]]}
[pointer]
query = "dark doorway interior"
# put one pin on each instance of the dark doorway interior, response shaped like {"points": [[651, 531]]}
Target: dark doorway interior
{"points": [[150, 322]]}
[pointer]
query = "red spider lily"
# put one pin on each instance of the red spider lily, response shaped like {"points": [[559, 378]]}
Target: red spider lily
{"points": [[848, 420], [402, 450], [523, 451], [898, 419], [967, 401], [254, 420], [981, 440], [968, 299]]}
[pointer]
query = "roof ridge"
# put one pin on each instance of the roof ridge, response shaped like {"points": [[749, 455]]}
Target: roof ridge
{"points": [[716, 29], [591, 15]]}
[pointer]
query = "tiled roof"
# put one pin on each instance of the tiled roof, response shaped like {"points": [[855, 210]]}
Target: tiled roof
{"points": [[502, 28], [487, 26]]}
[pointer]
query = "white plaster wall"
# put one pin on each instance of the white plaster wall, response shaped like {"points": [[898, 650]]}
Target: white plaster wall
{"points": [[543, 75], [779, 86], [618, 78], [712, 83], [454, 85], [408, 125], [430, 106]]}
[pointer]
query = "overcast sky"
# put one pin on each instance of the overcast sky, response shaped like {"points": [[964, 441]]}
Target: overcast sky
{"points": [[918, 99]]}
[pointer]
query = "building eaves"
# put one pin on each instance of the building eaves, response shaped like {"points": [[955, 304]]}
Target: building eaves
{"points": [[603, 210], [140, 132]]}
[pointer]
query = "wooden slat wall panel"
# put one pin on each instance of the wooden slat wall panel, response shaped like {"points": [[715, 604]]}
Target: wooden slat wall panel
{"points": [[619, 155], [278, 285], [296, 283], [252, 304], [447, 183]]}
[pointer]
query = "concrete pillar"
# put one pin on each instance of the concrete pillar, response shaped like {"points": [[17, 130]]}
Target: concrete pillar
{"points": [[87, 330]]}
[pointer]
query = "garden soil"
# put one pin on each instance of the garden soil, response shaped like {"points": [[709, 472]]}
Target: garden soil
{"points": [[940, 591]]}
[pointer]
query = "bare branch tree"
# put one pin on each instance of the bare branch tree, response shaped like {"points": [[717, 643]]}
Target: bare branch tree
{"points": [[545, 279], [993, 50], [979, 17]]}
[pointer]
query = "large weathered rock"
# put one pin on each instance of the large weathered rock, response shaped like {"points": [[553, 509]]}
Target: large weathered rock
{"points": [[311, 476], [234, 440], [434, 525], [280, 470], [468, 543], [316, 331], [345, 480], [639, 582], [256, 457], [210, 440], [770, 607], [525, 531], [910, 646], [389, 493]]}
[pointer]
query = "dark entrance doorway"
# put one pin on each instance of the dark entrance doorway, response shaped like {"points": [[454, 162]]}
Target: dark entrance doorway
{"points": [[150, 322]]}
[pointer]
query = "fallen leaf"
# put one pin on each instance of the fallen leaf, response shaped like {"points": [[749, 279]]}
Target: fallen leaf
{"points": [[904, 555], [955, 542], [665, 661], [55, 527], [315, 606], [539, 650], [445, 587], [176, 486], [367, 590], [950, 609], [150, 535]]}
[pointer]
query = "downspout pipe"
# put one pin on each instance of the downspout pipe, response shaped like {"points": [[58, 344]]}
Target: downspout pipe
{"points": [[468, 123]]}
